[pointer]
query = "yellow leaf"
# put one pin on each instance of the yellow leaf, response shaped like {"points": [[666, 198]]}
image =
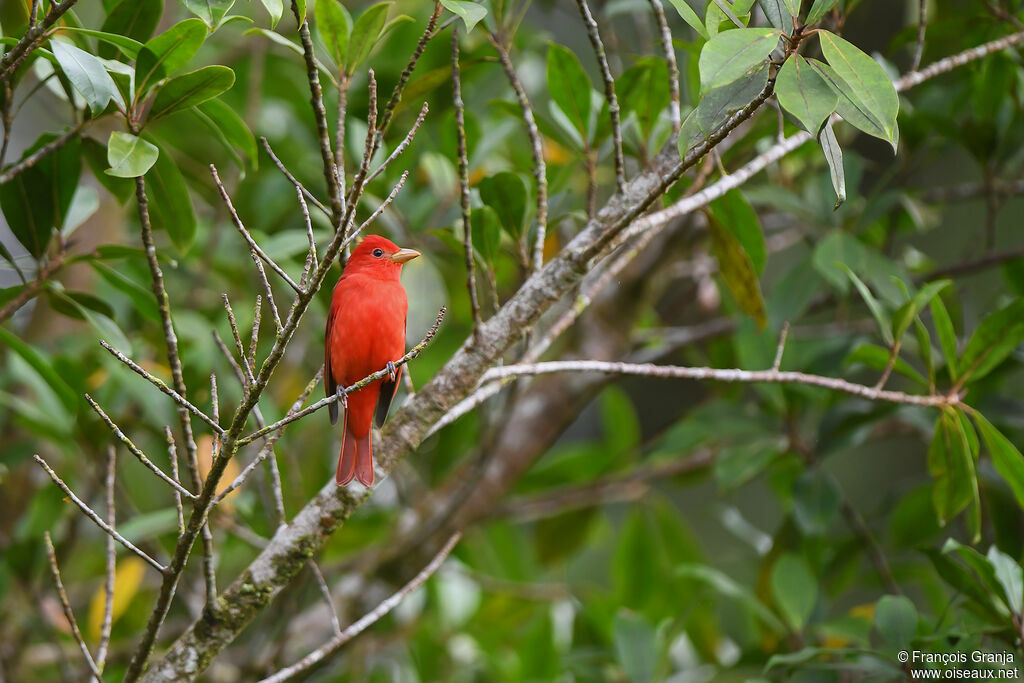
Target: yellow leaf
{"points": [[204, 454], [127, 580]]}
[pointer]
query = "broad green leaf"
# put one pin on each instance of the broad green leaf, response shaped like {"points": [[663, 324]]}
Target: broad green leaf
{"points": [[834, 157], [365, 33], [732, 590], [946, 334], [1005, 456], [982, 568], [95, 154], [952, 467], [166, 53], [853, 111], [924, 346], [795, 590], [643, 91], [866, 81], [907, 314], [142, 298], [232, 127], [715, 107], [718, 13], [732, 54], [691, 17], [879, 314], [275, 8], [877, 358], [778, 14], [896, 621], [636, 646], [737, 271], [964, 581], [1010, 577], [815, 502], [818, 10], [88, 75], [505, 193], [104, 326], [335, 26], [170, 206], [486, 232], [569, 86], [128, 47], [210, 11], [135, 19], [129, 156], [804, 94], [734, 212], [42, 366], [996, 337], [469, 12], [191, 89]]}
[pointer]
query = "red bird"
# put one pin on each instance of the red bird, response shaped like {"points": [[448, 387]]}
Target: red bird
{"points": [[365, 333]]}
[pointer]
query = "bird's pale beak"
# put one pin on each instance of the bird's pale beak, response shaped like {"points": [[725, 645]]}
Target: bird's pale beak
{"points": [[403, 255]]}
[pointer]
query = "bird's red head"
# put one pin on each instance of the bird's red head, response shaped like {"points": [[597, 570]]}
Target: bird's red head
{"points": [[378, 257]]}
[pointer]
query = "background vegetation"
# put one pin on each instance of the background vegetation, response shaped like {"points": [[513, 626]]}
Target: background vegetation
{"points": [[696, 207]]}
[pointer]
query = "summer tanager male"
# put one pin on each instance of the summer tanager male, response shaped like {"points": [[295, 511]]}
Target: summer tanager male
{"points": [[365, 333]]}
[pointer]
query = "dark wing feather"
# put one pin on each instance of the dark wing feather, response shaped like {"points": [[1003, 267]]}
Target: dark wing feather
{"points": [[330, 386], [387, 394]]}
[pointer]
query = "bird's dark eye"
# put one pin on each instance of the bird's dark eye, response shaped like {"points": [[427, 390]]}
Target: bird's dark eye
{"points": [[378, 252]]}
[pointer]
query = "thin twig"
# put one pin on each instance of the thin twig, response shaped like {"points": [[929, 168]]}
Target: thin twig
{"points": [[380, 209], [162, 386], [111, 557], [402, 146], [134, 450], [325, 590], [403, 79], [540, 173], [467, 235], [669, 49], [721, 375], [782, 347], [922, 24], [310, 197], [88, 512], [41, 153], [254, 335], [359, 181], [609, 92], [68, 612], [248, 377], [17, 54], [172, 454], [335, 643], [33, 288]]}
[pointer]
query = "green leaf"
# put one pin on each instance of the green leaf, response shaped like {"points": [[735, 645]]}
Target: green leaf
{"points": [[210, 11], [365, 34], [232, 127], [924, 346], [730, 55], [795, 590], [730, 589], [1010, 578], [88, 75], [818, 10], [952, 467], [734, 212], [135, 19], [99, 320], [879, 314], [896, 621], [865, 81], [737, 271], [170, 206], [996, 337], [643, 91], [469, 12], [191, 89], [1005, 456], [486, 231], [505, 193], [804, 94], [128, 47], [691, 18], [834, 156], [984, 571], [129, 156], [908, 313], [335, 26], [778, 13], [569, 86], [297, 49], [168, 52], [141, 297], [719, 104], [878, 358], [947, 337], [963, 581], [815, 502], [636, 646], [275, 8], [95, 154], [42, 366]]}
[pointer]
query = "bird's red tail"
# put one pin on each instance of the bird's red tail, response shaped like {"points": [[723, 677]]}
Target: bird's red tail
{"points": [[356, 459]]}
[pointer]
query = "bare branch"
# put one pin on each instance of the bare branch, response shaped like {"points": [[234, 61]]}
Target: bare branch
{"points": [[467, 235], [17, 54], [111, 557], [33, 288], [254, 335], [248, 378], [402, 146], [41, 153], [88, 512], [288, 174], [403, 79], [782, 347], [172, 454], [68, 612], [380, 209], [609, 92], [325, 590], [335, 644], [922, 24], [665, 34]]}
